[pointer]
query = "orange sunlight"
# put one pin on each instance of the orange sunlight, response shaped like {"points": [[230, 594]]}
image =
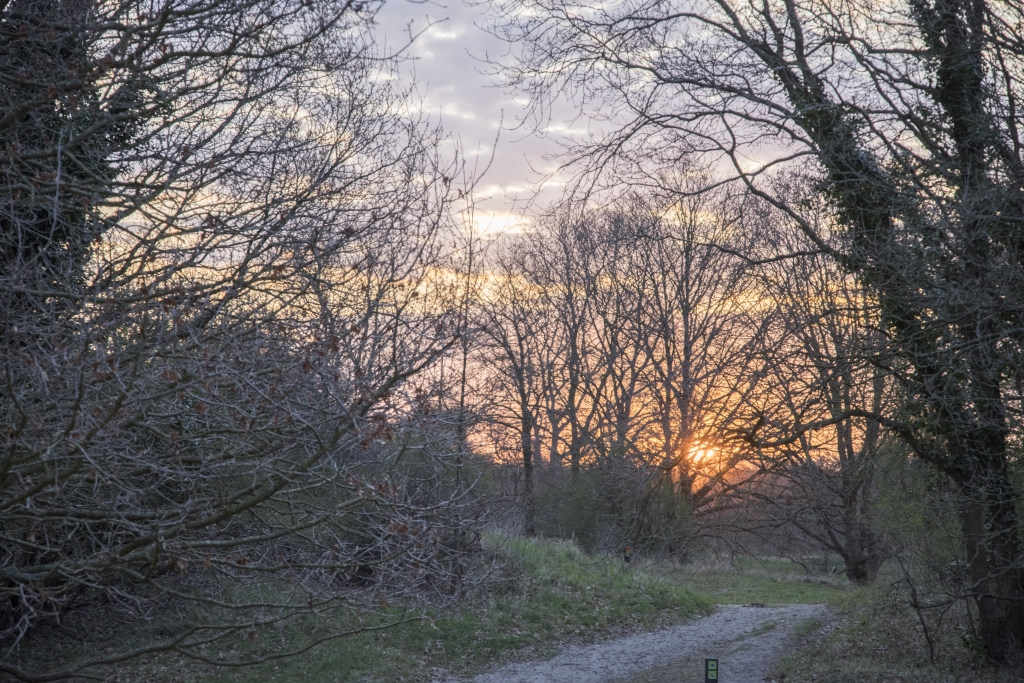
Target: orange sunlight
{"points": [[701, 452]]}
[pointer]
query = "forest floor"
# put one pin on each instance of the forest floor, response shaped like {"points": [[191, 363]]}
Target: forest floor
{"points": [[748, 642]]}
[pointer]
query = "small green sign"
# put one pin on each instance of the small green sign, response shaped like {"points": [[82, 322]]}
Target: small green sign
{"points": [[710, 670]]}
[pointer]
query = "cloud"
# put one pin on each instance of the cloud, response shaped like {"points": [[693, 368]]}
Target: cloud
{"points": [[491, 224], [458, 91]]}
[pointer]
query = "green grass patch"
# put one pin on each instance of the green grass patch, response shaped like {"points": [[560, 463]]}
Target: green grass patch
{"points": [[744, 581]]}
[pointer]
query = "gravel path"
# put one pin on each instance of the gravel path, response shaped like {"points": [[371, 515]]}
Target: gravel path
{"points": [[747, 641]]}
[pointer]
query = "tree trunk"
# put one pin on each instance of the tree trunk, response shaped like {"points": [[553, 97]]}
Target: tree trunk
{"points": [[526, 444], [993, 554], [862, 567]]}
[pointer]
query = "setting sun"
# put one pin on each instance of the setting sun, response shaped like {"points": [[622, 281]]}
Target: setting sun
{"points": [[701, 452]]}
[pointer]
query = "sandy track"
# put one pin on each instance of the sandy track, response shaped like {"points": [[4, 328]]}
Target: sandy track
{"points": [[747, 641]]}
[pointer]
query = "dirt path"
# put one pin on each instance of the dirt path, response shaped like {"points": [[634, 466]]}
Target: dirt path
{"points": [[747, 641]]}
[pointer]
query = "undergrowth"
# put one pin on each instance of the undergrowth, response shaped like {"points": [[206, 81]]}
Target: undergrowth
{"points": [[874, 639]]}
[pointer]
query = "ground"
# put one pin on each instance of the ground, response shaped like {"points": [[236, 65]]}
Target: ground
{"points": [[748, 641], [555, 613]]}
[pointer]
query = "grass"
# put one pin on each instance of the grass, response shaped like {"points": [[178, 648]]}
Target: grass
{"points": [[556, 594], [745, 581], [873, 640]]}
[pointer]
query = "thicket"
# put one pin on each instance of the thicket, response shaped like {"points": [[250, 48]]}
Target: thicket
{"points": [[218, 225]]}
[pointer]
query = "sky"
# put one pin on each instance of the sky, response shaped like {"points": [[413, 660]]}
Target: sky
{"points": [[447, 60]]}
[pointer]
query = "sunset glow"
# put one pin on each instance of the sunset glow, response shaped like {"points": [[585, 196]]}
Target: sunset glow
{"points": [[703, 453]]}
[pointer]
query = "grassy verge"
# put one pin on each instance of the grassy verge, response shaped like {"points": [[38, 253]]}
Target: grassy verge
{"points": [[556, 594], [744, 581], [874, 640]]}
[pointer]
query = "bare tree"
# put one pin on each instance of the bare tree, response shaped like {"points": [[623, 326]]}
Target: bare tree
{"points": [[699, 335], [909, 115], [597, 361], [518, 333], [820, 492], [218, 230]]}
